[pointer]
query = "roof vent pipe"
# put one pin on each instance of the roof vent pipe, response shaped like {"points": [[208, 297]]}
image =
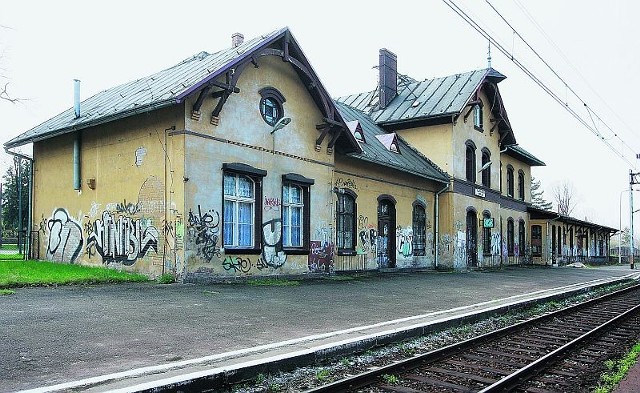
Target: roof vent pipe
{"points": [[388, 77], [237, 39], [76, 97]]}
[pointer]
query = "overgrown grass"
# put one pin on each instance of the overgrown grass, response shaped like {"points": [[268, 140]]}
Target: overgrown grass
{"points": [[617, 370], [11, 257], [9, 247], [273, 282], [38, 273], [4, 292]]}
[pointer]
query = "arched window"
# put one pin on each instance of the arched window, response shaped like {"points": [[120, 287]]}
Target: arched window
{"points": [[510, 181], [487, 224], [486, 164], [419, 230], [510, 236], [471, 162], [346, 222], [521, 185]]}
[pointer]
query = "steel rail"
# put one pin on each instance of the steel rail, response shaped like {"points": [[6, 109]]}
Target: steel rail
{"points": [[366, 378]]}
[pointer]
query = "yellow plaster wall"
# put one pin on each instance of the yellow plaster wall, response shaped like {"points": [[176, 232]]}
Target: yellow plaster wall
{"points": [[242, 136], [369, 182], [517, 166], [434, 142], [126, 161]]}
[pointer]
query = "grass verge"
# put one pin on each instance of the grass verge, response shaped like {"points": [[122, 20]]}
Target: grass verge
{"points": [[617, 370], [273, 282], [39, 273], [4, 292]]}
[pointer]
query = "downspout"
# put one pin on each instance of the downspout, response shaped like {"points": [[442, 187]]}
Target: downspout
{"points": [[437, 224], [76, 141], [30, 159]]}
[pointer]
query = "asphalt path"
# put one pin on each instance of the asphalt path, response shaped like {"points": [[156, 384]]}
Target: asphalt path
{"points": [[60, 334]]}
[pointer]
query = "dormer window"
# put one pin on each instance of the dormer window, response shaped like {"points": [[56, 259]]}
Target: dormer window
{"points": [[271, 105], [477, 117], [390, 141], [356, 130]]}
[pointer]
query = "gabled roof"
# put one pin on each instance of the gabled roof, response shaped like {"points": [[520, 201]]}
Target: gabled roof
{"points": [[521, 154], [374, 151], [173, 85], [439, 98]]}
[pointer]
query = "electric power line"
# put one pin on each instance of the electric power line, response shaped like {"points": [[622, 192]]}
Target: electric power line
{"points": [[569, 88], [533, 77]]}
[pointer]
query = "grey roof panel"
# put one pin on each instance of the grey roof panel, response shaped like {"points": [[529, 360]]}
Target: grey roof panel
{"points": [[409, 160], [425, 99], [158, 90]]}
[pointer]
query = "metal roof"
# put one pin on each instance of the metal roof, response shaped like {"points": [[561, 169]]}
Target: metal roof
{"points": [[541, 214], [164, 88], [426, 99], [408, 159], [521, 154]]}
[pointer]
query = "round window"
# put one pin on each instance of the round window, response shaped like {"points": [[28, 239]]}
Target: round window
{"points": [[271, 110]]}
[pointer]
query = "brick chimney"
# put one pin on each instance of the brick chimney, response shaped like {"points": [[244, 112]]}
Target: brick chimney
{"points": [[236, 39], [388, 77]]}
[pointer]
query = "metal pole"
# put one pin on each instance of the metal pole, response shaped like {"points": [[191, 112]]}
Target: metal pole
{"points": [[19, 184], [631, 219]]}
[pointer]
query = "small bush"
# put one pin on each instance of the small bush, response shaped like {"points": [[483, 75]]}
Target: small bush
{"points": [[166, 278]]}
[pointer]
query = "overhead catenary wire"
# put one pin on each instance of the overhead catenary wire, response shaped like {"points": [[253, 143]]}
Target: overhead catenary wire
{"points": [[460, 12], [575, 70], [566, 85]]}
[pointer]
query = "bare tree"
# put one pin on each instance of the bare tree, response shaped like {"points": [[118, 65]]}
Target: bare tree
{"points": [[565, 197], [4, 80]]}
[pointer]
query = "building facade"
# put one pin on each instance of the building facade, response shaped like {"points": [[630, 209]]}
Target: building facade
{"points": [[239, 163]]}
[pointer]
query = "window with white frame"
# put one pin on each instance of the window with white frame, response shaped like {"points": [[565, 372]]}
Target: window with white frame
{"points": [[238, 211], [242, 208], [292, 215]]}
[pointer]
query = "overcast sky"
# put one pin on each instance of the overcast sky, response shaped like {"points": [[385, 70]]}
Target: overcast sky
{"points": [[590, 44]]}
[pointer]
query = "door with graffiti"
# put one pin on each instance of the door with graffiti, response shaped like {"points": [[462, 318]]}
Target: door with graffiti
{"points": [[386, 234], [472, 238]]}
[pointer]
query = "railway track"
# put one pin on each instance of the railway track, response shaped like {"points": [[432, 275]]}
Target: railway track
{"points": [[551, 353]]}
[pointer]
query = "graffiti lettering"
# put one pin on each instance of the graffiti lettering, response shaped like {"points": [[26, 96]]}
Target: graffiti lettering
{"points": [[272, 203], [128, 208], [65, 237], [320, 257], [346, 183], [237, 264], [204, 229], [404, 239], [121, 239], [272, 252]]}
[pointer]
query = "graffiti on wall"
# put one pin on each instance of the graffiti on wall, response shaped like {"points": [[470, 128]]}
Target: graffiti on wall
{"points": [[495, 244], [204, 229], [272, 251], [367, 236], [346, 183], [320, 257], [127, 207], [272, 204], [65, 236], [121, 238], [404, 241]]}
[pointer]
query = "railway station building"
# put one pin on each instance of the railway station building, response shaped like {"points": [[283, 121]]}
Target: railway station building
{"points": [[240, 163]]}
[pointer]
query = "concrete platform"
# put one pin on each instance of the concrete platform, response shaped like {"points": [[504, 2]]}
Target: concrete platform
{"points": [[137, 337]]}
